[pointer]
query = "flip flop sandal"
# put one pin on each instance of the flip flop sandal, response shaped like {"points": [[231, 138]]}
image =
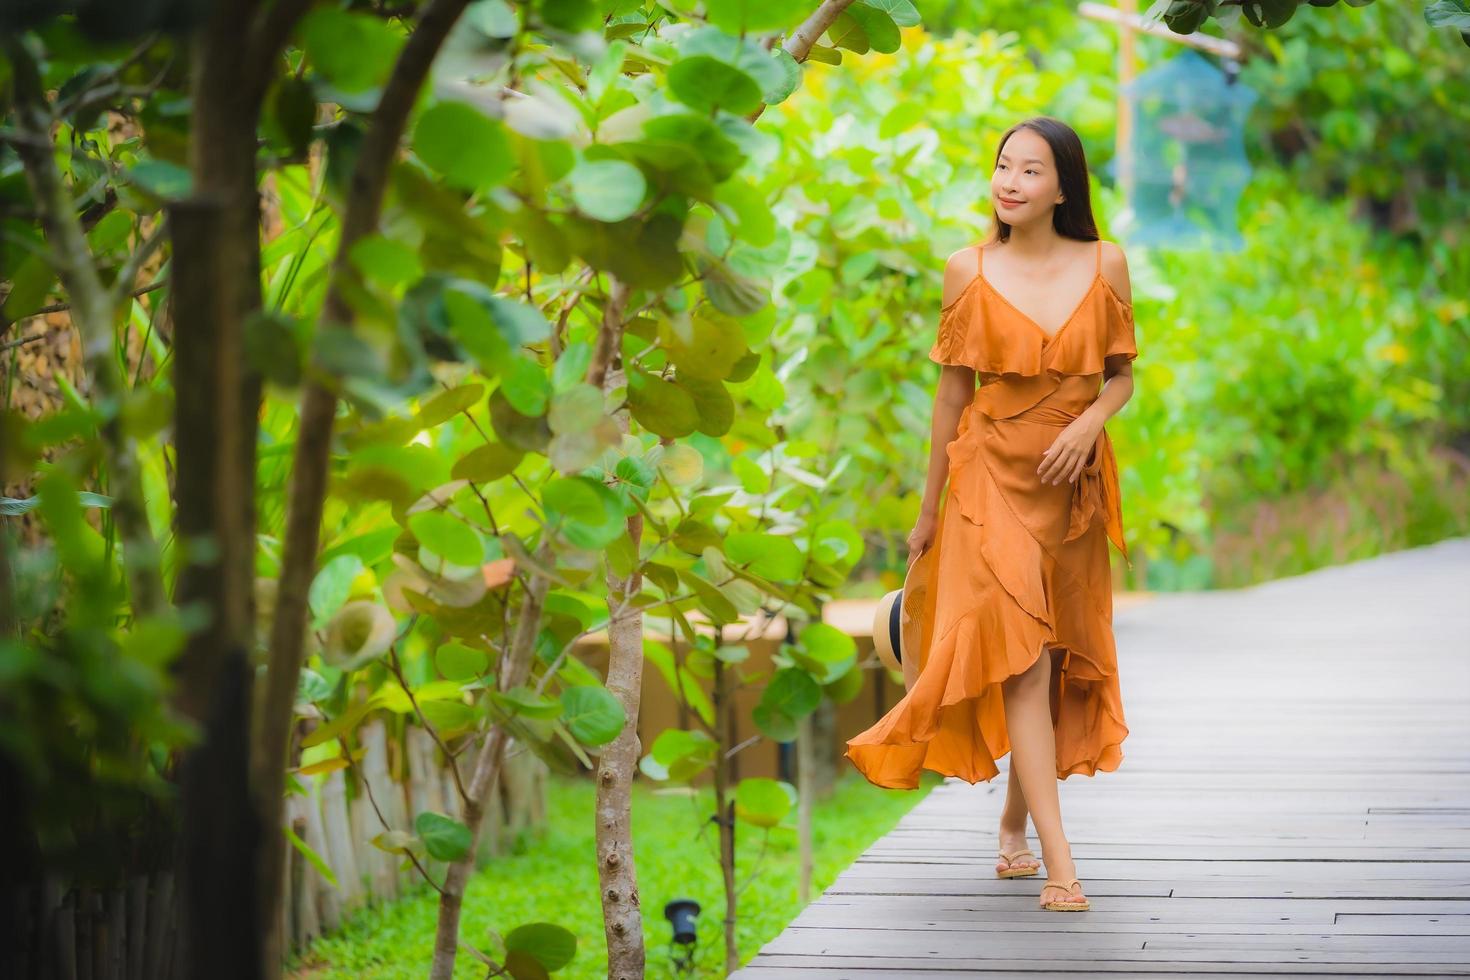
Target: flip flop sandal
{"points": [[1011, 859], [1064, 905]]}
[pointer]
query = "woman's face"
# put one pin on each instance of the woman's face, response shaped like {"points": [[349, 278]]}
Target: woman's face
{"points": [[1024, 186]]}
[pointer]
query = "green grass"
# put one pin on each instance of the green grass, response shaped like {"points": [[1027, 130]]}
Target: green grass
{"points": [[555, 880]]}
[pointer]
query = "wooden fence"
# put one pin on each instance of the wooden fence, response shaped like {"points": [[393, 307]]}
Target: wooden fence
{"points": [[130, 932]]}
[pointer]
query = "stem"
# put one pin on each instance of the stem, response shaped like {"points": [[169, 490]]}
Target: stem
{"points": [[486, 773], [725, 815], [617, 874]]}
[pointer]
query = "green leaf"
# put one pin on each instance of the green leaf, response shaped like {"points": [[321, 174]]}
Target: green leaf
{"points": [[879, 28], [902, 12], [708, 84], [448, 537], [608, 190], [792, 692], [550, 945], [683, 754], [312, 857], [398, 842], [587, 513], [592, 714], [354, 52], [332, 585], [775, 725], [470, 149], [162, 179], [525, 386], [445, 839], [763, 802], [488, 462], [747, 16], [660, 406], [458, 662], [521, 700], [447, 404], [771, 556], [385, 261]]}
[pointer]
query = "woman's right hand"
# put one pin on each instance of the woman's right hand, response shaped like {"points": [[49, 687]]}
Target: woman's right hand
{"points": [[922, 536]]}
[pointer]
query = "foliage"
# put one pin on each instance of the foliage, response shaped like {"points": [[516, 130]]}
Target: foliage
{"points": [[553, 878]]}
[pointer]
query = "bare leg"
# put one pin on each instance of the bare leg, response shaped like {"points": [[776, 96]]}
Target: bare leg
{"points": [[1034, 761], [1013, 824]]}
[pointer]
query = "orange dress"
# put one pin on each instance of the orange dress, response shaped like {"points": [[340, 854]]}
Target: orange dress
{"points": [[1016, 566]]}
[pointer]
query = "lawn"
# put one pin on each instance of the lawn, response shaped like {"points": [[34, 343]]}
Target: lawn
{"points": [[554, 879]]}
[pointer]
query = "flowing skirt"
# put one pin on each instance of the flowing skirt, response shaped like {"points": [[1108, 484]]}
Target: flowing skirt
{"points": [[1017, 567]]}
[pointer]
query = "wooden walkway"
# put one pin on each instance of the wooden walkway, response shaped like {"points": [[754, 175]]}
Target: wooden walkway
{"points": [[1294, 800]]}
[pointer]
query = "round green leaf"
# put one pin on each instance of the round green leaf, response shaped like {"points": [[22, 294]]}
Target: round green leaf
{"points": [[775, 725], [747, 16], [792, 692], [458, 662], [592, 714], [578, 409], [550, 945], [332, 585], [588, 513], [763, 802], [353, 52], [660, 406], [771, 556], [447, 537], [608, 190], [488, 462], [706, 84], [470, 149], [444, 839]]}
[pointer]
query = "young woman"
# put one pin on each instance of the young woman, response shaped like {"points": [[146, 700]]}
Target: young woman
{"points": [[1014, 565]]}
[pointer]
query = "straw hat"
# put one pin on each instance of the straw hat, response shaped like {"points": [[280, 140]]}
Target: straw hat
{"points": [[896, 628]]}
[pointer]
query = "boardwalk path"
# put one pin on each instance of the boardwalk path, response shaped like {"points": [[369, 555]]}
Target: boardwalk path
{"points": [[1294, 800]]}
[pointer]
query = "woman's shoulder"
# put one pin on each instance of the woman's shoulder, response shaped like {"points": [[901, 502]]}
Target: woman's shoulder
{"points": [[1114, 268], [960, 269]]}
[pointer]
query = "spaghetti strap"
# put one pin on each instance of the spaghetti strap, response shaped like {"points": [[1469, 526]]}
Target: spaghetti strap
{"points": [[1098, 270]]}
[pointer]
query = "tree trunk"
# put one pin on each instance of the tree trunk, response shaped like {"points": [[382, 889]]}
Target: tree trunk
{"points": [[222, 830], [622, 912], [307, 494], [725, 812], [487, 771]]}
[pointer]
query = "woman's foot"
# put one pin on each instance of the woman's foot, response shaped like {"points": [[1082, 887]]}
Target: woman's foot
{"points": [[1012, 841], [1063, 869]]}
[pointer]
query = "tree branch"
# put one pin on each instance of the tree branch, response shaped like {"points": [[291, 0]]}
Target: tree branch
{"points": [[122, 289], [93, 312], [799, 44]]}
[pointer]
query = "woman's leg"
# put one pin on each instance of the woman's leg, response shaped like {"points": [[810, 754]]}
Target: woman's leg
{"points": [[1034, 761], [1013, 824]]}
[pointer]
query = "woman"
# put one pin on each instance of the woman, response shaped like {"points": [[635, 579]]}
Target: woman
{"points": [[1016, 563]]}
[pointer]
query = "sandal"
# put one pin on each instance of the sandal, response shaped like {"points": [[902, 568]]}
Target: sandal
{"points": [[1064, 905], [1010, 858]]}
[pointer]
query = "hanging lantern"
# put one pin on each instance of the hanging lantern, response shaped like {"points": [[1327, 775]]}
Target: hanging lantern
{"points": [[1189, 164]]}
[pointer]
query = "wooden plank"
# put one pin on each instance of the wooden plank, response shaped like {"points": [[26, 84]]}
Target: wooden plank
{"points": [[1294, 800]]}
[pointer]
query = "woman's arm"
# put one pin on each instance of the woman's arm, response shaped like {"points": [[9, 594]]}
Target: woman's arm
{"points": [[956, 391], [1117, 371], [956, 388]]}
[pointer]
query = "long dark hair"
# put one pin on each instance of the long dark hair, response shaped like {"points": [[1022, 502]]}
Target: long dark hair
{"points": [[1073, 217]]}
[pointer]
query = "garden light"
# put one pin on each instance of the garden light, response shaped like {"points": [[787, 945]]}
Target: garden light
{"points": [[681, 913]]}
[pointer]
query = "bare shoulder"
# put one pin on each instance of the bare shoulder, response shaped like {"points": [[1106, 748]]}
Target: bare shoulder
{"points": [[1115, 270], [960, 270]]}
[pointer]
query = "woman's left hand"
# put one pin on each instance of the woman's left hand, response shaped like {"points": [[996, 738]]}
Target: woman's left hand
{"points": [[1068, 453]]}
